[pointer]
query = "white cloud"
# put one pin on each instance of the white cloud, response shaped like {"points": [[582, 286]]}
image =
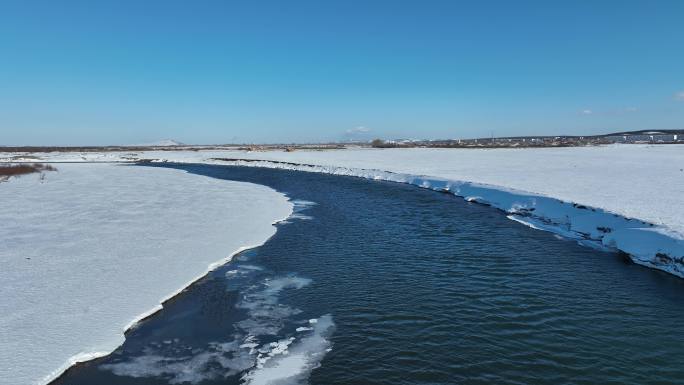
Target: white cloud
{"points": [[610, 112], [679, 96], [358, 130]]}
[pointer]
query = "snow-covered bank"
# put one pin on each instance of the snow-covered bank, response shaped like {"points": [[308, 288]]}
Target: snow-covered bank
{"points": [[626, 197], [647, 244], [93, 248]]}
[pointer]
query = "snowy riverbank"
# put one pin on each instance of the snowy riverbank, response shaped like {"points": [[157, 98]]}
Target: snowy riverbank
{"points": [[647, 244], [625, 197], [93, 248]]}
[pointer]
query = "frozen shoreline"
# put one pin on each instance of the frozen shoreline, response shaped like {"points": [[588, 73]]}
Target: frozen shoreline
{"points": [[93, 249]]}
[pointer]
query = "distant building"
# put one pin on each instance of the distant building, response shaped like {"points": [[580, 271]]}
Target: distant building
{"points": [[644, 137]]}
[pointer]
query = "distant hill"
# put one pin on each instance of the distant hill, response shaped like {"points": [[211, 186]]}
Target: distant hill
{"points": [[646, 132], [161, 143]]}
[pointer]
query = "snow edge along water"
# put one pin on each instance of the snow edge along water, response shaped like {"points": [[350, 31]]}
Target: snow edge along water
{"points": [[646, 244], [89, 356]]}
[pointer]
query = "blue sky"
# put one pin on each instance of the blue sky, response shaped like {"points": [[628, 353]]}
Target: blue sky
{"points": [[125, 72]]}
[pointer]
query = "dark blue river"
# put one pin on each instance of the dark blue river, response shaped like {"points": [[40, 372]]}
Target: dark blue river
{"points": [[382, 283]]}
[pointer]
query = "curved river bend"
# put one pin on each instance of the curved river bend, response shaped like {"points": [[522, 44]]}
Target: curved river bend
{"points": [[382, 283]]}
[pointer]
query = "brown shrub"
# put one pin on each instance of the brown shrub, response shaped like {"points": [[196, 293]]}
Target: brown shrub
{"points": [[9, 170]]}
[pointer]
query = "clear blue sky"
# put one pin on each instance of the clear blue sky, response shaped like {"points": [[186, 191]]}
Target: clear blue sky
{"points": [[125, 72]]}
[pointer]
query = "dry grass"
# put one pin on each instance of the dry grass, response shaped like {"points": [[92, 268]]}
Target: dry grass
{"points": [[10, 170]]}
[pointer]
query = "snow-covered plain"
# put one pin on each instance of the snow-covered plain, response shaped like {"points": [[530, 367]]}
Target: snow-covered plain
{"points": [[626, 197], [92, 248]]}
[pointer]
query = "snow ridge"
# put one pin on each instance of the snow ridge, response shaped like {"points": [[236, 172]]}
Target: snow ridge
{"points": [[646, 244]]}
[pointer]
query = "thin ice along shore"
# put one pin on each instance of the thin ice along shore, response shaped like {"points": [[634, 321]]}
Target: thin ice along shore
{"points": [[620, 197], [92, 248]]}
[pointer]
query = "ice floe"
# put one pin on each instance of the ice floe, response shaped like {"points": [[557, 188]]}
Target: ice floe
{"points": [[298, 210], [287, 360], [290, 362], [266, 314]]}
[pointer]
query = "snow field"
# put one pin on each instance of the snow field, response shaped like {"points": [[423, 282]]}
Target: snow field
{"points": [[93, 248]]}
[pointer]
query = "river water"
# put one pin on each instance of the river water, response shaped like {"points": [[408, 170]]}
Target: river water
{"points": [[382, 283]]}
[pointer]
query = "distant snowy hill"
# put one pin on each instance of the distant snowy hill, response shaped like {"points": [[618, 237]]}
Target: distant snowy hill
{"points": [[161, 143]]}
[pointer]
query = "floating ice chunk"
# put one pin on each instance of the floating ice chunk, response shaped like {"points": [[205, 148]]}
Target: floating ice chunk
{"points": [[266, 315], [301, 358], [299, 206], [241, 270], [218, 360]]}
